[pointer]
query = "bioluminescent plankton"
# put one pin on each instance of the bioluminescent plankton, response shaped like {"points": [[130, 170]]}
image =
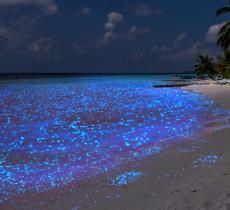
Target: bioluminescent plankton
{"points": [[53, 134]]}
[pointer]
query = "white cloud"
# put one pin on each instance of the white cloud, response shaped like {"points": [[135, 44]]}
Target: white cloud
{"points": [[187, 54], [108, 35], [5, 32], [16, 33], [180, 38], [212, 34], [42, 46], [154, 48], [161, 49], [85, 11], [144, 10], [135, 31], [114, 19], [81, 50], [109, 26], [48, 6], [170, 52], [138, 55], [12, 40], [18, 2], [165, 49]]}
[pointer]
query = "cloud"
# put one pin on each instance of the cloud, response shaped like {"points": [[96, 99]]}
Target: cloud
{"points": [[135, 31], [109, 26], [8, 34], [85, 11], [138, 55], [160, 49], [144, 10], [168, 49], [42, 46], [212, 34], [180, 38], [81, 50], [113, 19], [165, 49], [154, 48], [47, 6], [17, 32], [187, 54]]}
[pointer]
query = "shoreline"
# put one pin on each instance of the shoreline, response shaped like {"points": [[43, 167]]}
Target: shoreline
{"points": [[219, 93], [194, 174]]}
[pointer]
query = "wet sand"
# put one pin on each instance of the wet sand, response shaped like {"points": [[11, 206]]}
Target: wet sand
{"points": [[188, 175], [219, 93], [173, 180]]}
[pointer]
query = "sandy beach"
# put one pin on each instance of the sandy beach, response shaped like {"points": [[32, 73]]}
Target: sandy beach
{"points": [[188, 175], [219, 93], [205, 187], [173, 182]]}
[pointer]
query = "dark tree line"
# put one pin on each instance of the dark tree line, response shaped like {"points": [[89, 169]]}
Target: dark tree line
{"points": [[205, 63]]}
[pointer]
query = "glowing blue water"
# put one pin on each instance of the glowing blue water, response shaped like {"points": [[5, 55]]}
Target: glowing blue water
{"points": [[54, 132]]}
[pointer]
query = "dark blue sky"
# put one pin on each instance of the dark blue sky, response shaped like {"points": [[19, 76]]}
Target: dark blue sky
{"points": [[109, 36]]}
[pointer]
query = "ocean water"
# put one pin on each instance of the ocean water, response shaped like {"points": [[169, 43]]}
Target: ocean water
{"points": [[61, 130]]}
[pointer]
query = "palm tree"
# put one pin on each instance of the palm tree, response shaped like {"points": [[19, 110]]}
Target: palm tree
{"points": [[224, 33], [205, 65], [223, 10], [223, 64], [224, 36]]}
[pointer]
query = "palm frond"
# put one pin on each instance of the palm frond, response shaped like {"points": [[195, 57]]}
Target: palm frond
{"points": [[224, 27], [204, 65], [224, 39], [223, 10]]}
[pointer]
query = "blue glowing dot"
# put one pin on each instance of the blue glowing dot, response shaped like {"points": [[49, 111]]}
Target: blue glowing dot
{"points": [[55, 132], [206, 161], [126, 178]]}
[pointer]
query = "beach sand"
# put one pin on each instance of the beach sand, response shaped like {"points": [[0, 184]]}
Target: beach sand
{"points": [[173, 181], [219, 93], [188, 176], [205, 187]]}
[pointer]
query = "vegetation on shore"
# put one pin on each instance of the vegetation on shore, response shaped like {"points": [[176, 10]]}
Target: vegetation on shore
{"points": [[205, 63]]}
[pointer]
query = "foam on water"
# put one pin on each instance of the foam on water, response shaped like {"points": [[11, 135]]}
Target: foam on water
{"points": [[54, 132]]}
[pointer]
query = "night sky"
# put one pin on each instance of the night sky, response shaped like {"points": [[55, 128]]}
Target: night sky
{"points": [[106, 36]]}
